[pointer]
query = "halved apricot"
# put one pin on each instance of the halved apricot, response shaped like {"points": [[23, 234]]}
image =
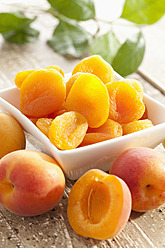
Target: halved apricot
{"points": [[135, 126], [68, 130], [126, 104], [109, 130], [96, 65], [42, 93], [99, 205], [89, 96]]}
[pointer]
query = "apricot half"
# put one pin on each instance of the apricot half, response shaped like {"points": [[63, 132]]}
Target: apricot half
{"points": [[89, 96], [42, 93], [96, 65], [99, 205]]}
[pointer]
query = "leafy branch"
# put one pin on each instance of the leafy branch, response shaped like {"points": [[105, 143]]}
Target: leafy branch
{"points": [[70, 38]]}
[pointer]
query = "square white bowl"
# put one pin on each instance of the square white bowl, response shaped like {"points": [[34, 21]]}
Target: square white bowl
{"points": [[77, 161]]}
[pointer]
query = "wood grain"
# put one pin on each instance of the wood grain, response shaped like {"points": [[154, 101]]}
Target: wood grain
{"points": [[146, 230]]}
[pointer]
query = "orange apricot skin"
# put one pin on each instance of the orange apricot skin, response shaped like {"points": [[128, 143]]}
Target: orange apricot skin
{"points": [[126, 104], [142, 169], [96, 65], [99, 205], [89, 96], [20, 77], [31, 182], [71, 81], [42, 93]]}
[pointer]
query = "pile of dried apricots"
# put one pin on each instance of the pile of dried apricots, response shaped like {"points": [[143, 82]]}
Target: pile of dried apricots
{"points": [[90, 107]]}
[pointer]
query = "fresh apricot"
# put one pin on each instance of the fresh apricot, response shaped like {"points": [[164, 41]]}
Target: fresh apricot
{"points": [[20, 77], [109, 130], [68, 130], [126, 104], [99, 205], [135, 126], [42, 93], [89, 96], [12, 136], [96, 65]]}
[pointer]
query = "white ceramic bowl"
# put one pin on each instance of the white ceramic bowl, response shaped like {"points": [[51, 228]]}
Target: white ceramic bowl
{"points": [[77, 161]]}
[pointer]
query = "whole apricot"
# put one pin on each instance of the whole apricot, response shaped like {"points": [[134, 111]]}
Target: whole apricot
{"points": [[12, 136], [143, 170], [31, 182]]}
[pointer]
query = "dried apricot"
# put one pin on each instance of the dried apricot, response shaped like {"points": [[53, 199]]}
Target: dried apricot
{"points": [[71, 81], [42, 93], [89, 96], [56, 113], [109, 130], [136, 126], [20, 77], [136, 85], [44, 125], [96, 65], [126, 104], [68, 130]]}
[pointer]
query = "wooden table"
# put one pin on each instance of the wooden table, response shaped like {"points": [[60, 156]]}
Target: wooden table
{"points": [[144, 230]]}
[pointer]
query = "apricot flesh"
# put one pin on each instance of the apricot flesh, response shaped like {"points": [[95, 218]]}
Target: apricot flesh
{"points": [[12, 136], [31, 182], [99, 205], [143, 170], [68, 130]]}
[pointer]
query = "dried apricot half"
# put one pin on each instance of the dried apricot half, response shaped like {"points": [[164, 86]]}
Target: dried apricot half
{"points": [[126, 104], [96, 65], [20, 77], [68, 130], [99, 205], [135, 126], [89, 96], [71, 81], [44, 125], [136, 85], [109, 130], [42, 93]]}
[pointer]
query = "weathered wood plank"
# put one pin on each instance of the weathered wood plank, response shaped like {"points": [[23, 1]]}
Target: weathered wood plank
{"points": [[52, 229]]}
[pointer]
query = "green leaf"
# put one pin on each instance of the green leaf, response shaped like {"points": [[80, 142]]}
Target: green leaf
{"points": [[69, 39], [143, 11], [80, 10], [130, 55], [106, 46], [21, 37], [13, 21]]}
